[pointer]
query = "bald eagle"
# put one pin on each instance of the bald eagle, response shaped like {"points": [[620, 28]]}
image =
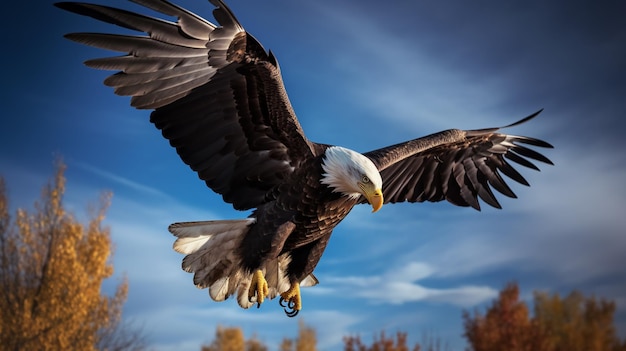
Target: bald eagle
{"points": [[218, 96]]}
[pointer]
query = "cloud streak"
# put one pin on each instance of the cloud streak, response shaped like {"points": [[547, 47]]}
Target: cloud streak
{"points": [[399, 285], [132, 185]]}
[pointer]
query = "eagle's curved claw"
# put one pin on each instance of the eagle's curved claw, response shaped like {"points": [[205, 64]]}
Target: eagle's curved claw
{"points": [[258, 288], [291, 300], [289, 307]]}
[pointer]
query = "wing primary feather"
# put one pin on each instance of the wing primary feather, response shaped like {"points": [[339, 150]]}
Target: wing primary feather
{"points": [[186, 73], [453, 194], [510, 172], [134, 64], [495, 179], [191, 24], [224, 15], [520, 160], [102, 13], [524, 120], [480, 183], [483, 131], [534, 142], [467, 190], [524, 151], [140, 46]]}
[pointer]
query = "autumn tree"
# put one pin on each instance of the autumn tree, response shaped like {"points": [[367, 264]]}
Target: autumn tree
{"points": [[382, 343], [227, 339], [570, 324], [306, 340], [254, 344], [232, 339], [51, 272], [576, 323], [505, 326], [286, 345]]}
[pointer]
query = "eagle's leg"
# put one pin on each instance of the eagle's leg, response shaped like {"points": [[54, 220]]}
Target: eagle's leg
{"points": [[292, 299], [258, 288]]}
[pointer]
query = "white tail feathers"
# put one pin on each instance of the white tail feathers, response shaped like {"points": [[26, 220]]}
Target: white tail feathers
{"points": [[211, 249], [309, 280], [192, 236]]}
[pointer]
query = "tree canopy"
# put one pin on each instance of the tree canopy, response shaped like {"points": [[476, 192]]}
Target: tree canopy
{"points": [[573, 323], [51, 272]]}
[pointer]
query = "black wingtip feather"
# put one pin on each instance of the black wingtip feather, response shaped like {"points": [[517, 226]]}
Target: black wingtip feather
{"points": [[520, 160], [99, 12], [525, 119], [526, 152], [512, 173], [65, 5], [534, 142]]}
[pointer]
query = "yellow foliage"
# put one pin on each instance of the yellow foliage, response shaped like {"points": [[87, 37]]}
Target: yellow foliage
{"points": [[307, 338], [227, 339], [232, 339], [573, 323], [51, 271], [286, 345], [254, 344]]}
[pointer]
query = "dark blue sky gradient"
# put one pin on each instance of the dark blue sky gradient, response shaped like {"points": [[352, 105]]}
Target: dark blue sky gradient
{"points": [[361, 74]]}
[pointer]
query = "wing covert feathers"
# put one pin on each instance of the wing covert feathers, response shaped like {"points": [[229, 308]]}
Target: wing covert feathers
{"points": [[458, 166]]}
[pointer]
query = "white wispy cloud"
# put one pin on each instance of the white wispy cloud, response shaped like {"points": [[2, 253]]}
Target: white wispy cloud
{"points": [[399, 285], [130, 184]]}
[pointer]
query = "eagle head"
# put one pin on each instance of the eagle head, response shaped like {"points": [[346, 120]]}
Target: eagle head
{"points": [[352, 174]]}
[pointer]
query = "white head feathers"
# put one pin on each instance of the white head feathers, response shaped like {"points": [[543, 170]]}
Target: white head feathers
{"points": [[344, 168]]}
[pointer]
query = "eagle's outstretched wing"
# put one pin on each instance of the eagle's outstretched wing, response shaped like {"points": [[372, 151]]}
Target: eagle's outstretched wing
{"points": [[456, 165], [218, 95]]}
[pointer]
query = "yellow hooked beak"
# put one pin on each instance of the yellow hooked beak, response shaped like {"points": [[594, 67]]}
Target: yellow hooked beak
{"points": [[374, 196]]}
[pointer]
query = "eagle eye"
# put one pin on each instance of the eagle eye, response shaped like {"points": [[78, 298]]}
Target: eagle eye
{"points": [[365, 179]]}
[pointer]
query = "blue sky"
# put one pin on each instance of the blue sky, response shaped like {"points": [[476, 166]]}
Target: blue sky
{"points": [[360, 74]]}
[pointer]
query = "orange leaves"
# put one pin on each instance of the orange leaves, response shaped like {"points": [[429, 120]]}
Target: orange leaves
{"points": [[52, 271], [506, 325], [306, 340], [227, 339], [573, 323], [232, 339]]}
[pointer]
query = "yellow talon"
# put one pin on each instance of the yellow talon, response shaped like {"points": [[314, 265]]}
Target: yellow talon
{"points": [[292, 299], [258, 288]]}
